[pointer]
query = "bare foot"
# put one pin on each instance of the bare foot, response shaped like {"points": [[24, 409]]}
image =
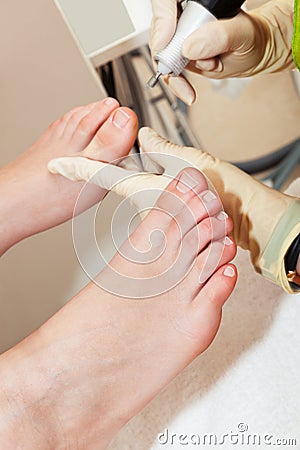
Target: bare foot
{"points": [[113, 348], [101, 130]]}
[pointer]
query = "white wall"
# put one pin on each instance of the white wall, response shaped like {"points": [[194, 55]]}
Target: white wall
{"points": [[42, 75]]}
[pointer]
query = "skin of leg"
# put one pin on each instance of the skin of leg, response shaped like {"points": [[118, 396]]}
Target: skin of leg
{"points": [[34, 200], [78, 379]]}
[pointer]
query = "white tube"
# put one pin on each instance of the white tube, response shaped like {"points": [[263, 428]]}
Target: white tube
{"points": [[170, 60]]}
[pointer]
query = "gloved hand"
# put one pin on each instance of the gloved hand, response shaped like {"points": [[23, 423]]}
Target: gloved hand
{"points": [[266, 222], [250, 43]]}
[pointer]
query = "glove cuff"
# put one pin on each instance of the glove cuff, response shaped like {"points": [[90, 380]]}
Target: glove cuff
{"points": [[272, 262]]}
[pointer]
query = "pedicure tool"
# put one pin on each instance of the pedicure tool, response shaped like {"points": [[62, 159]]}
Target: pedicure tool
{"points": [[170, 60]]}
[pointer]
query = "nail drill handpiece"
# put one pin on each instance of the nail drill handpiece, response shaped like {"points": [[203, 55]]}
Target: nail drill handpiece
{"points": [[170, 60], [154, 80]]}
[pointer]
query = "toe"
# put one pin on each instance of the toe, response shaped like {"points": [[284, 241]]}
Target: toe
{"points": [[84, 125], [60, 125], [218, 289], [205, 311], [208, 230], [204, 248], [72, 118], [173, 201], [211, 259], [204, 205], [115, 137]]}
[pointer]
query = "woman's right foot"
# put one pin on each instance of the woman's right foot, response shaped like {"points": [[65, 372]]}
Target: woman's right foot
{"points": [[152, 310], [155, 307]]}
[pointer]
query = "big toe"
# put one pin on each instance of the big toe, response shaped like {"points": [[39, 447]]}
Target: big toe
{"points": [[115, 137], [82, 123], [174, 201]]}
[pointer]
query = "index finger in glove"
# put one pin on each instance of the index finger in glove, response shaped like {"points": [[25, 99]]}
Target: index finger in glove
{"points": [[163, 28], [237, 43], [166, 155], [143, 189], [164, 23], [95, 172]]}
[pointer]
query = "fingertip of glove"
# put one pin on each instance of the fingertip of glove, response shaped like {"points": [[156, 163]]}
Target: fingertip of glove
{"points": [[148, 137], [65, 166], [52, 165], [146, 131], [182, 89]]}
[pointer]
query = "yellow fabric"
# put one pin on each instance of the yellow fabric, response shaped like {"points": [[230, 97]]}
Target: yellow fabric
{"points": [[296, 36]]}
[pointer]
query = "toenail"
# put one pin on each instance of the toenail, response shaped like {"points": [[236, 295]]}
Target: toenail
{"points": [[222, 216], [227, 241], [110, 101], [229, 272], [186, 182], [121, 119], [208, 196]]}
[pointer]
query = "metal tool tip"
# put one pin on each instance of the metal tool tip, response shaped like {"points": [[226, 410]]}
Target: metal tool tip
{"points": [[154, 80]]}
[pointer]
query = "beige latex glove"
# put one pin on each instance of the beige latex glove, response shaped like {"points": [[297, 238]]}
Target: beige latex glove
{"points": [[294, 189], [250, 43], [265, 221]]}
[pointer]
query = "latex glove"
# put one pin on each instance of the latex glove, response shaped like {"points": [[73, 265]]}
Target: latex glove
{"points": [[250, 43], [265, 221]]}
